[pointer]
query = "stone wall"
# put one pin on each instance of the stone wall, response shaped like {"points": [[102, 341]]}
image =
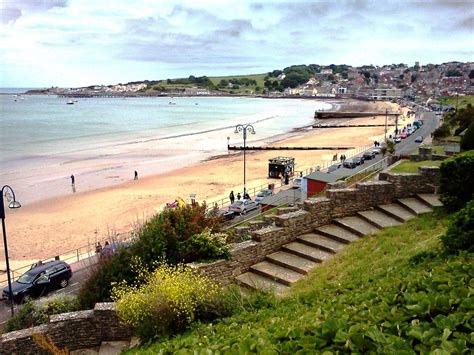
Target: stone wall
{"points": [[269, 235], [71, 331]]}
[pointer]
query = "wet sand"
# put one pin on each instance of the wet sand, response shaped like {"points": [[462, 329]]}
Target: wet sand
{"points": [[58, 225]]}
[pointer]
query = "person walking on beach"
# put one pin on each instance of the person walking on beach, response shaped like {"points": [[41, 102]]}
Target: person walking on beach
{"points": [[73, 180], [238, 196], [231, 197], [136, 176]]}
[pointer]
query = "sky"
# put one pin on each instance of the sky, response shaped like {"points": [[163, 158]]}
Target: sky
{"points": [[70, 43]]}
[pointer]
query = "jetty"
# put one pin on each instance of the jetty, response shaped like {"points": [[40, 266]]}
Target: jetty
{"points": [[239, 147], [340, 114], [324, 125]]}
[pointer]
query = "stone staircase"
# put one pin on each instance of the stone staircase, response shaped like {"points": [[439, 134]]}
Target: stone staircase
{"points": [[108, 348], [281, 269]]}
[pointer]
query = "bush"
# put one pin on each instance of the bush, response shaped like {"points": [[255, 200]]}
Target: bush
{"points": [[172, 236], [166, 303], [467, 141], [457, 180], [442, 132], [460, 233], [38, 312]]}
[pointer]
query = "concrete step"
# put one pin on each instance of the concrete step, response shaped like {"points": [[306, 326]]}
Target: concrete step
{"points": [[276, 272], [396, 211], [321, 242], [307, 252], [378, 219], [356, 225], [113, 347], [414, 205], [337, 233], [292, 262], [256, 281], [431, 200]]}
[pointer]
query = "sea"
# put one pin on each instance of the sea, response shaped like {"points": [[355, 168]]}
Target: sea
{"points": [[102, 141]]}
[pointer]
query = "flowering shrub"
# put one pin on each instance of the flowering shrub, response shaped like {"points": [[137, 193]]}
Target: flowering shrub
{"points": [[166, 303], [206, 246]]}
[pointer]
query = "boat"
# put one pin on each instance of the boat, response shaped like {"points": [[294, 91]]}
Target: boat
{"points": [[70, 102], [171, 103]]}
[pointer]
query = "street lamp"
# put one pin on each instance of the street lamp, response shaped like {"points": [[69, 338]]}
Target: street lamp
{"points": [[13, 204], [244, 129]]}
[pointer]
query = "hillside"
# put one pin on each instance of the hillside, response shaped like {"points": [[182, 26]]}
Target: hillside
{"points": [[388, 293]]}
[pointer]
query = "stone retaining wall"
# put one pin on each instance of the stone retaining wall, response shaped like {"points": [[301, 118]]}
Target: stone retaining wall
{"points": [[340, 201], [71, 331]]}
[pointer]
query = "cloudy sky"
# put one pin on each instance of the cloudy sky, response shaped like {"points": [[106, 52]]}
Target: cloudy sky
{"points": [[83, 42]]}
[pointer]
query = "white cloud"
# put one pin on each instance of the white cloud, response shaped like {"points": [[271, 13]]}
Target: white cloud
{"points": [[76, 42]]}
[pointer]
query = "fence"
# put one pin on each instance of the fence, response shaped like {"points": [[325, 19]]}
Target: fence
{"points": [[73, 256], [373, 169]]}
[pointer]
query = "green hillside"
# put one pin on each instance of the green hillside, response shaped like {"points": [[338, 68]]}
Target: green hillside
{"points": [[462, 101], [394, 292]]}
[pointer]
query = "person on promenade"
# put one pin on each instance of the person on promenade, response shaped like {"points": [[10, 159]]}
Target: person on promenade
{"points": [[73, 180], [136, 175], [98, 248], [247, 196], [107, 250], [231, 197], [238, 196]]}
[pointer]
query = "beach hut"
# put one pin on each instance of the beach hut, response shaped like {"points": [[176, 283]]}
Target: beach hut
{"points": [[317, 181]]}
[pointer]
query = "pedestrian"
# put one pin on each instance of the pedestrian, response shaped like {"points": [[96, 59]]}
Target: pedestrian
{"points": [[375, 143], [98, 248], [136, 175], [107, 250], [246, 196], [287, 179], [238, 196], [231, 197], [73, 180]]}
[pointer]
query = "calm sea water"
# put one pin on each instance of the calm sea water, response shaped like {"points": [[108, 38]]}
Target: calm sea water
{"points": [[43, 140]]}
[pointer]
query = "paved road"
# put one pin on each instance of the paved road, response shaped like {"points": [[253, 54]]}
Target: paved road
{"points": [[430, 123]]}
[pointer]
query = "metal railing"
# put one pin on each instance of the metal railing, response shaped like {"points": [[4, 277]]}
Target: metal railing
{"points": [[72, 256], [374, 168]]}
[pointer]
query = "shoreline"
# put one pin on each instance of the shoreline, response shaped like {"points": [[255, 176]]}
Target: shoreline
{"points": [[59, 224]]}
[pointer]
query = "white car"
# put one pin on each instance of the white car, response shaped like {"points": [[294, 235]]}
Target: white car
{"points": [[243, 206], [419, 139], [262, 194]]}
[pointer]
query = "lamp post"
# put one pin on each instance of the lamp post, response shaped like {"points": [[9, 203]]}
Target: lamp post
{"points": [[13, 204], [244, 129]]}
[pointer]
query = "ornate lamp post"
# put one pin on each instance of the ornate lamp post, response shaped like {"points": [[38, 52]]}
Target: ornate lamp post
{"points": [[244, 129], [13, 203]]}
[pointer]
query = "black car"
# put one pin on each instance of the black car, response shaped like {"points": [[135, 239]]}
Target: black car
{"points": [[39, 280], [358, 160], [349, 164], [333, 167], [369, 155]]}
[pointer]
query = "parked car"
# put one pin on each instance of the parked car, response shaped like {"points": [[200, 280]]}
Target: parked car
{"points": [[376, 150], [397, 139], [243, 206], [297, 182], [369, 155], [358, 160], [262, 194], [39, 280], [349, 164], [419, 139], [334, 167], [403, 135]]}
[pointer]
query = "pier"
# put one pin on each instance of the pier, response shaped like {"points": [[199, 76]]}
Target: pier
{"points": [[235, 147], [339, 114], [324, 125]]}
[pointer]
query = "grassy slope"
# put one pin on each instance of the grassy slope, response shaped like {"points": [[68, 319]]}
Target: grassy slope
{"points": [[463, 101], [368, 298], [412, 166]]}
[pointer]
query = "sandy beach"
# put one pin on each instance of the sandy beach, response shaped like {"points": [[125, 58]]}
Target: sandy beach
{"points": [[55, 226]]}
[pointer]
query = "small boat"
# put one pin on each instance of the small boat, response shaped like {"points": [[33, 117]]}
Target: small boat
{"points": [[75, 101], [70, 102], [171, 103]]}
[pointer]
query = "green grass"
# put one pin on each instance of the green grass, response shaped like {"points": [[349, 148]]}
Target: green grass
{"points": [[394, 292], [412, 166], [463, 101], [436, 149]]}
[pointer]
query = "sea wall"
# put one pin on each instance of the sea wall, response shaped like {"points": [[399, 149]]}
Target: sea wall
{"points": [[71, 331], [269, 235]]}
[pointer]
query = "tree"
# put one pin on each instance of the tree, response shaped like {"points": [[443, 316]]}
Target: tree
{"points": [[467, 141], [453, 72]]}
